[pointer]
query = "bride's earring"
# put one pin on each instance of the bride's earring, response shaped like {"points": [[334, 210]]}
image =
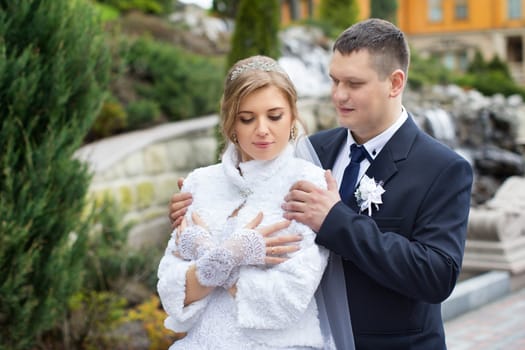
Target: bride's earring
{"points": [[234, 138], [293, 133]]}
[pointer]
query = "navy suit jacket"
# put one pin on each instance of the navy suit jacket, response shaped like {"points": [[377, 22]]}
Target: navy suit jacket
{"points": [[401, 262]]}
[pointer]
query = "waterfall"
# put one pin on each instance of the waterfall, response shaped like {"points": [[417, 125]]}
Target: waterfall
{"points": [[440, 125]]}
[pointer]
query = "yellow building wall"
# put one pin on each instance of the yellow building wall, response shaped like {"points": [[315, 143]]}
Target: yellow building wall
{"points": [[413, 17], [286, 15]]}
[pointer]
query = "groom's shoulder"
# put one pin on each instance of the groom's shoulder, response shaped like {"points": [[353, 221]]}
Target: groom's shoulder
{"points": [[323, 135]]}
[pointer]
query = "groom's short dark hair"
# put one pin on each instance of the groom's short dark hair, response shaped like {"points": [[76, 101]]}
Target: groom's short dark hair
{"points": [[384, 41]]}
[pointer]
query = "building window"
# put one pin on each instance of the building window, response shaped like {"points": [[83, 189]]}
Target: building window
{"points": [[515, 49], [461, 9], [463, 61], [449, 61], [455, 61], [435, 10], [514, 9]]}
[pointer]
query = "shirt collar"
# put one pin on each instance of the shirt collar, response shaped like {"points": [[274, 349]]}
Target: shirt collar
{"points": [[376, 144]]}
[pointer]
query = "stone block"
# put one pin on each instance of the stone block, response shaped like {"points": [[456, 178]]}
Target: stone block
{"points": [[145, 194], [151, 233], [155, 159], [510, 195], [203, 153], [165, 187], [114, 172], [496, 231], [126, 196], [178, 153], [134, 164]]}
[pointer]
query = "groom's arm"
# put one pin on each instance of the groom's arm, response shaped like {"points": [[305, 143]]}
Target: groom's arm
{"points": [[425, 267]]}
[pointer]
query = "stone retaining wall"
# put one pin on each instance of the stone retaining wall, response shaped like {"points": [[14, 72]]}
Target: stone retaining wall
{"points": [[139, 170]]}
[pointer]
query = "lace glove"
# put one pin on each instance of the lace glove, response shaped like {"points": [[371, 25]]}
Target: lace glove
{"points": [[244, 247], [194, 242], [232, 278]]}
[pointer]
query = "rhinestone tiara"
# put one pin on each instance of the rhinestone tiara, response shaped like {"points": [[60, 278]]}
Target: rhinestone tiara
{"points": [[257, 64]]}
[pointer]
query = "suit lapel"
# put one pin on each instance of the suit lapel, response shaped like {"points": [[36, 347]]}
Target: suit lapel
{"points": [[396, 149], [384, 167], [330, 148]]}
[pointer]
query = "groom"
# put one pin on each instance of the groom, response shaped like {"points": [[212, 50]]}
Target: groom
{"points": [[401, 255], [401, 249]]}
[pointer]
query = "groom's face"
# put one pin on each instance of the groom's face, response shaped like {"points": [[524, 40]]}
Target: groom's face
{"points": [[360, 97]]}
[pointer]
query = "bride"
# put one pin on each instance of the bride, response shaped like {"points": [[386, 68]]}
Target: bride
{"points": [[234, 274]]}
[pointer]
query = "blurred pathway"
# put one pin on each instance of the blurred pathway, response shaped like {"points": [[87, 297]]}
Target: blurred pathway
{"points": [[495, 326]]}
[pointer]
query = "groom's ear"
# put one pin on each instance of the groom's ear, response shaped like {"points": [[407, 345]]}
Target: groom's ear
{"points": [[397, 82]]}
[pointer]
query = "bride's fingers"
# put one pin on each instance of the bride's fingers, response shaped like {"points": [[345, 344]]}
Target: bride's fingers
{"points": [[255, 221], [198, 220], [179, 229], [276, 254], [274, 260], [271, 229], [281, 249], [282, 240]]}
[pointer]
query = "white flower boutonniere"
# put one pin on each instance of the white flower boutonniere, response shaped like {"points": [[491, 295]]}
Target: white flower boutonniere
{"points": [[369, 192]]}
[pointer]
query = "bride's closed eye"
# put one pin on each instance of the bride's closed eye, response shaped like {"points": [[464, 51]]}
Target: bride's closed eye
{"points": [[246, 120]]}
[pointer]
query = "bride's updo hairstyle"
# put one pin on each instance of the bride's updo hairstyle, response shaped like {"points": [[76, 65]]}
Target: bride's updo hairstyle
{"points": [[247, 76]]}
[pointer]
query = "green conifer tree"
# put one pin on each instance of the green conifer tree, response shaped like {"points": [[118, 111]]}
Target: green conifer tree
{"points": [[54, 70], [338, 15], [385, 9], [256, 30]]}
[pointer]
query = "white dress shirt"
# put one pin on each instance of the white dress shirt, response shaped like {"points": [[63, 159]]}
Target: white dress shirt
{"points": [[372, 146]]}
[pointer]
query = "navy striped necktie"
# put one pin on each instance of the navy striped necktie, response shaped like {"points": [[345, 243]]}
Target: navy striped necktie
{"points": [[357, 154]]}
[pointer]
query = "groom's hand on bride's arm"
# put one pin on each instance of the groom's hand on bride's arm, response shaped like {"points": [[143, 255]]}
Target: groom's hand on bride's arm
{"points": [[178, 206], [309, 204]]}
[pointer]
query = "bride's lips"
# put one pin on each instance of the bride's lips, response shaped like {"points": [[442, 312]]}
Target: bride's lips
{"points": [[262, 144]]}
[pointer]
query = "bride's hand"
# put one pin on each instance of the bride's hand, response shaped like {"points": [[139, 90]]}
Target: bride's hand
{"points": [[276, 247], [194, 241]]}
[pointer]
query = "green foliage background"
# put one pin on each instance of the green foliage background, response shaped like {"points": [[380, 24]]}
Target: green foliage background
{"points": [[225, 8], [385, 9], [256, 30], [337, 15], [183, 84], [54, 71]]}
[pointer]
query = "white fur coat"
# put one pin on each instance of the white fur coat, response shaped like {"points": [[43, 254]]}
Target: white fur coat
{"points": [[274, 307]]}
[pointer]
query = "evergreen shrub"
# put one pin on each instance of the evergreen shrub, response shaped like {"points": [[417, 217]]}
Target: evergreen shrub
{"points": [[338, 15], [143, 113], [490, 77], [182, 83], [256, 30], [426, 71], [110, 263], [147, 6], [385, 9], [54, 70], [111, 120], [490, 83]]}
